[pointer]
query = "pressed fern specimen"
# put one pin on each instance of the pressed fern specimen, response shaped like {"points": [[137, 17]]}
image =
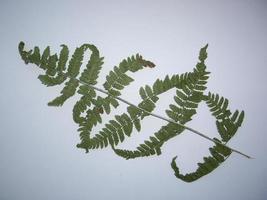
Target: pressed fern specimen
{"points": [[87, 111]]}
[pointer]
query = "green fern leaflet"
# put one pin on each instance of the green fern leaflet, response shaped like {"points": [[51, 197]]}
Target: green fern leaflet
{"points": [[190, 90]]}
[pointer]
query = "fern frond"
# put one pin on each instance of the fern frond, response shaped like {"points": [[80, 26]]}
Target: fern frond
{"points": [[118, 79], [227, 125], [219, 154], [226, 122], [88, 110], [188, 96]]}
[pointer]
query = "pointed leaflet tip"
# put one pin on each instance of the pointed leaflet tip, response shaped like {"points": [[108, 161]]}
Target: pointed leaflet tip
{"points": [[24, 54], [203, 53], [21, 47], [21, 44]]}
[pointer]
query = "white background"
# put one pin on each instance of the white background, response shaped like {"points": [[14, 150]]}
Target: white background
{"points": [[38, 157]]}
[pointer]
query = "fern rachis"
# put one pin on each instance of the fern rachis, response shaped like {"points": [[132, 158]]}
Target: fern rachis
{"points": [[190, 91]]}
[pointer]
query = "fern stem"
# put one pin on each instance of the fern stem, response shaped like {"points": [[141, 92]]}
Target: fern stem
{"points": [[163, 118]]}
